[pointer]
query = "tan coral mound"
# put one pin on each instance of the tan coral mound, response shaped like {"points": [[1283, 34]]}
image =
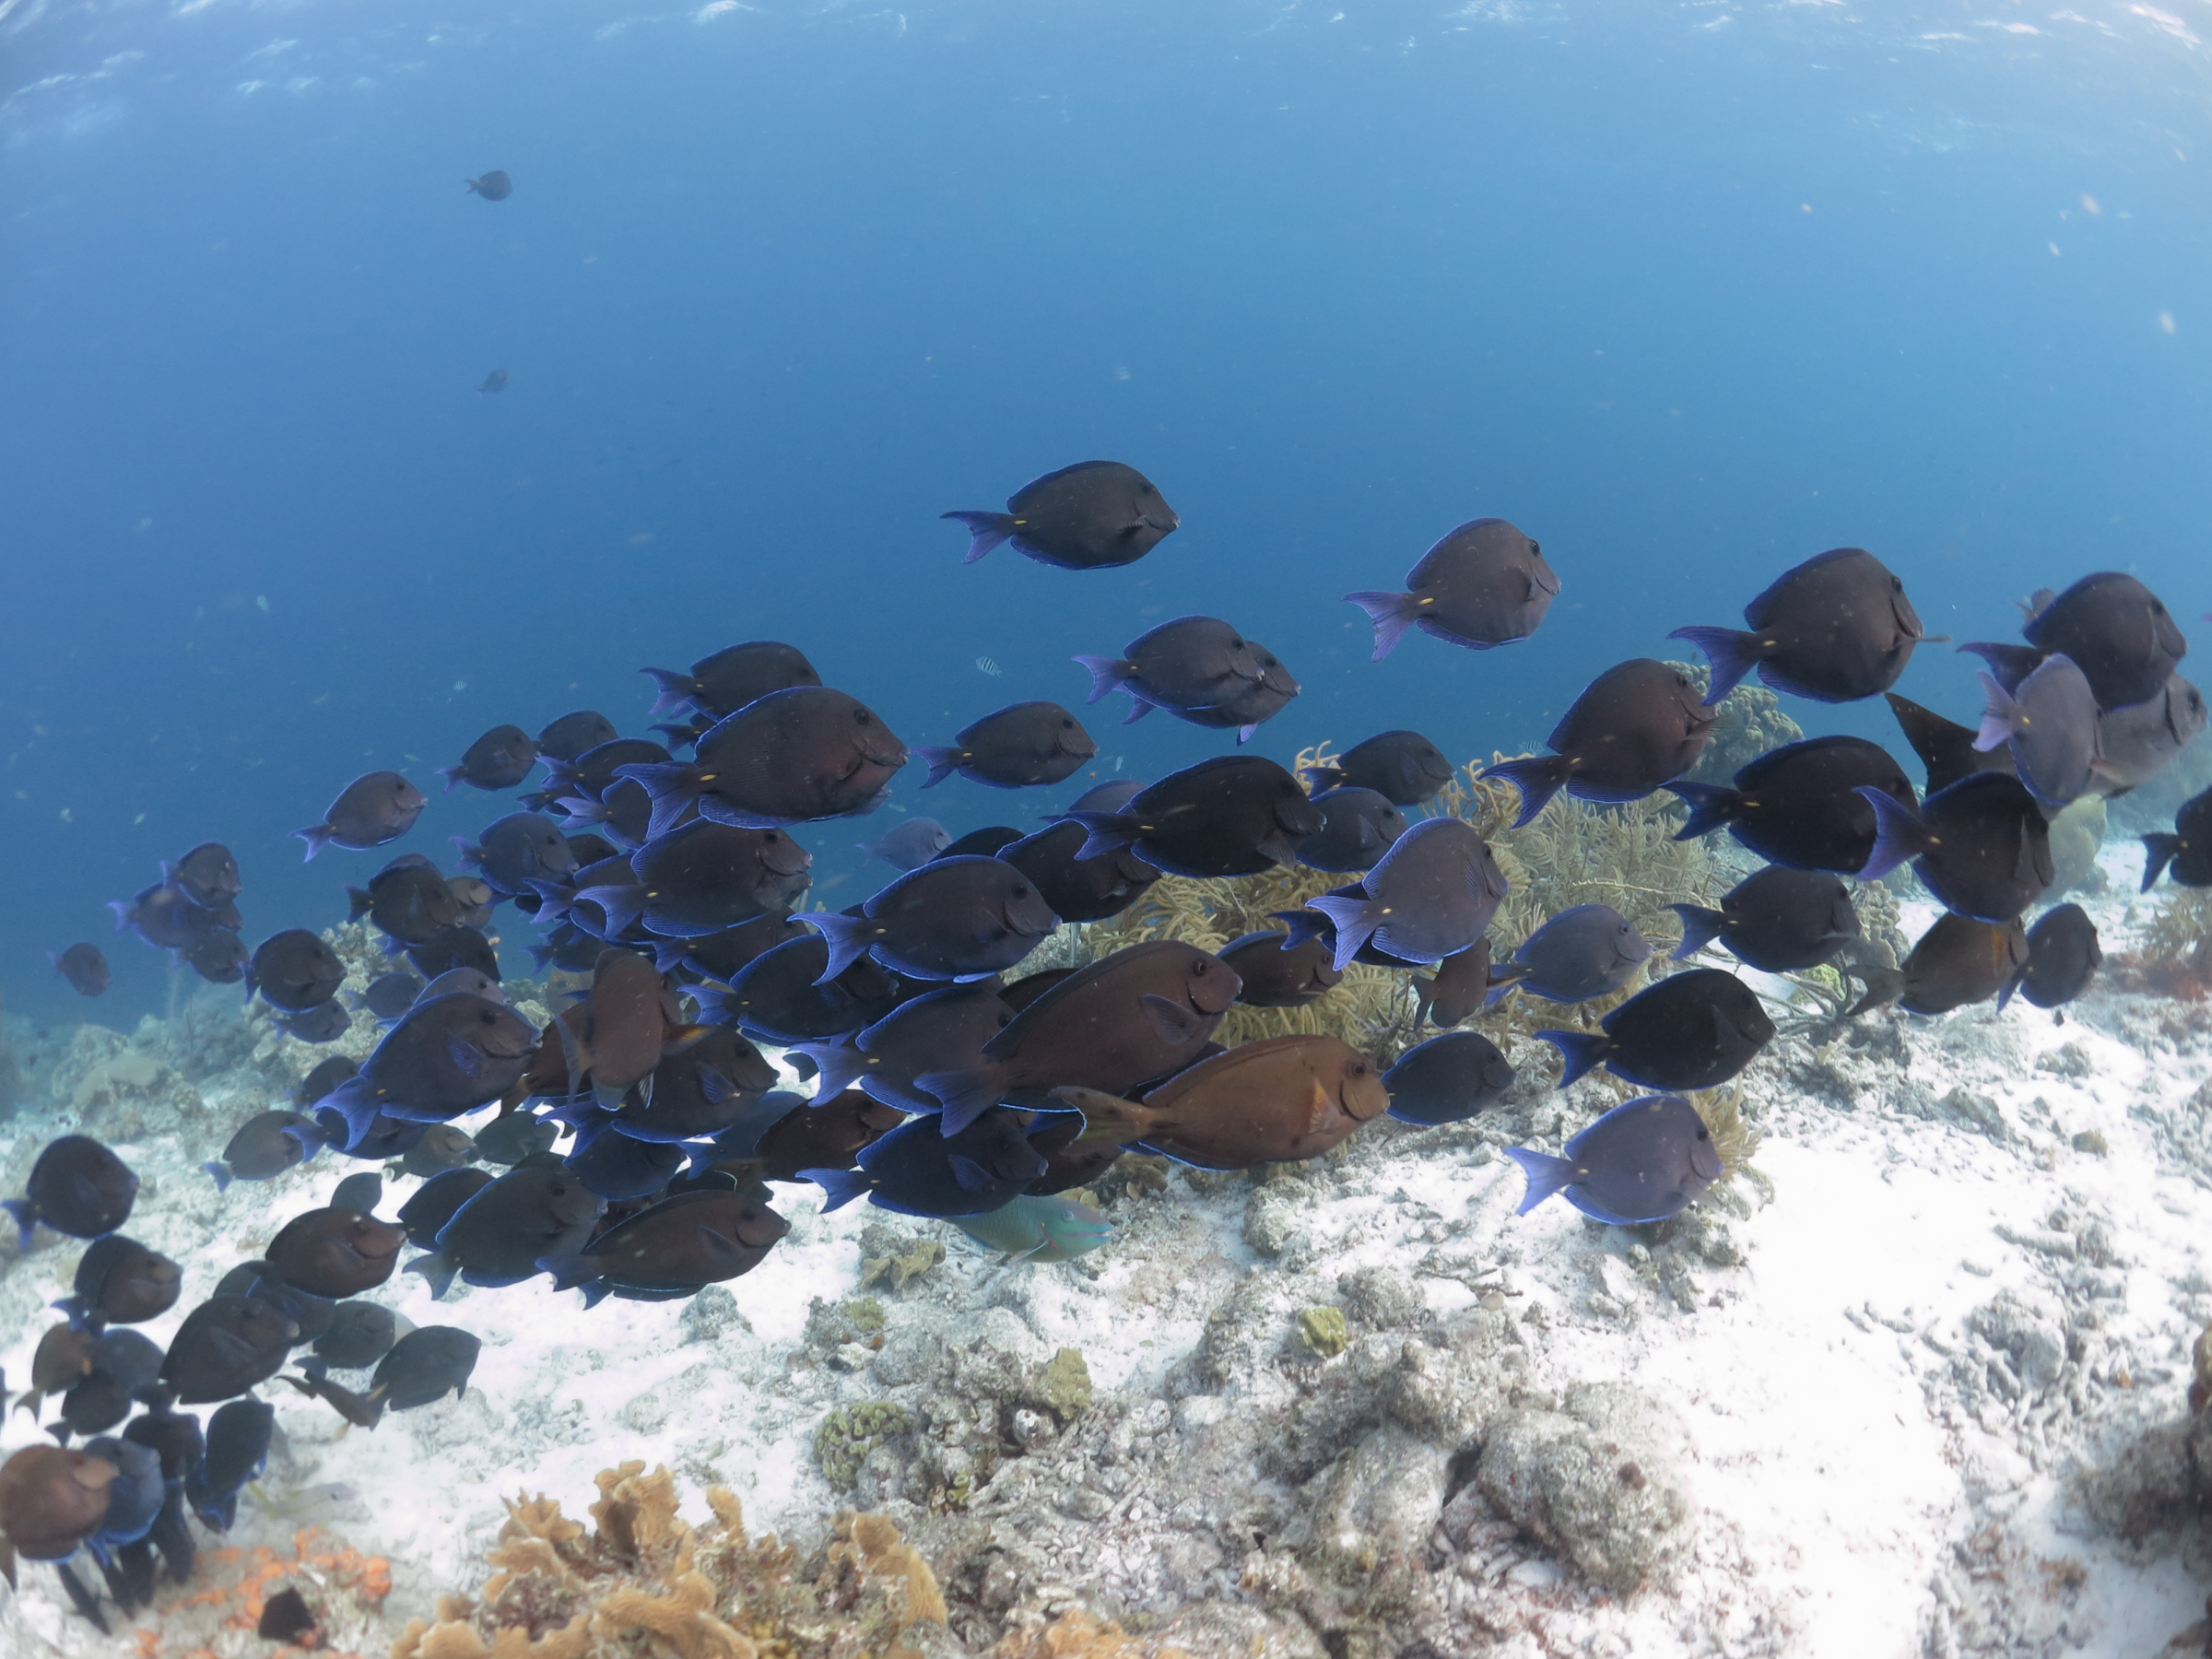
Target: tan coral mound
{"points": [[645, 1582], [1076, 1635]]}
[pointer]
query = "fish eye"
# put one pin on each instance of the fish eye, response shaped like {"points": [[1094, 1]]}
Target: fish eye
{"points": [[860, 717], [2157, 609], [1897, 584]]}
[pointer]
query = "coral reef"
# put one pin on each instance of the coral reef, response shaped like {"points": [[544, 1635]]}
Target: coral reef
{"points": [[1752, 722], [643, 1581]]}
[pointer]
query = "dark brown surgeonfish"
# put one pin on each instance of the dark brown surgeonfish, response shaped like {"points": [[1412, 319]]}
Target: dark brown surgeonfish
{"points": [[1019, 745], [719, 685], [673, 1248], [335, 1252], [1358, 827], [1484, 584], [944, 1030], [1448, 1080], [1957, 962], [1402, 767], [499, 759], [826, 1137], [1799, 805], [1187, 663], [408, 899], [269, 1143], [85, 967], [295, 971], [701, 877], [374, 808], [791, 757], [1073, 887], [1276, 1100], [1834, 628], [1086, 517], [1693, 1030], [121, 1281], [1982, 846], [1139, 1014], [2117, 632], [2063, 955], [500, 1230], [225, 1346], [207, 875], [1778, 919], [51, 1500], [614, 1039], [1278, 974], [1234, 815], [1634, 728], [952, 919], [62, 1360], [77, 1187], [1461, 983]]}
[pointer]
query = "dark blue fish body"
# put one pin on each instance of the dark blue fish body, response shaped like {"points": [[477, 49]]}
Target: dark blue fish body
{"points": [[2184, 852], [1835, 628], [1431, 895], [1693, 1030], [1448, 1080], [1585, 952], [1085, 517], [2063, 957], [909, 843], [952, 919], [518, 849], [918, 1170], [1800, 804], [238, 1449], [1360, 826], [134, 1498], [615, 1167], [1982, 846], [1641, 1161]]}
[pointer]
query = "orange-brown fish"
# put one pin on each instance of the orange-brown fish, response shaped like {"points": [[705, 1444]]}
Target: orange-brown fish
{"points": [[1277, 1101], [51, 1500], [615, 1038]]}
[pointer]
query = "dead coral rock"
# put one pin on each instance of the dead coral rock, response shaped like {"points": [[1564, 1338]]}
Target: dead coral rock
{"points": [[1597, 1482], [644, 1580]]}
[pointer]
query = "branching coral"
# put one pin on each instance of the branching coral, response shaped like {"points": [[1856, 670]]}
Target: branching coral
{"points": [[643, 1581], [2181, 933]]}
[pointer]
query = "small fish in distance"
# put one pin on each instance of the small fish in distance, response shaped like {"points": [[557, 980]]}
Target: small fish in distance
{"points": [[85, 967], [499, 759], [496, 381], [1642, 1161], [2063, 957], [493, 186], [1089, 516], [1402, 767], [77, 1187], [1834, 628], [376, 807], [909, 844], [1484, 584], [2183, 852]]}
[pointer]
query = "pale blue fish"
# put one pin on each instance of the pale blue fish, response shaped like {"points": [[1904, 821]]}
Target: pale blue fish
{"points": [[1039, 1229]]}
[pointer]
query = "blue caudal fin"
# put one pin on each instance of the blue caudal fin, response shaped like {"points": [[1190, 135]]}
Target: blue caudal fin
{"points": [[569, 1270], [621, 905], [1538, 777], [317, 837], [26, 1218], [986, 531], [848, 938], [838, 1065], [1579, 1053], [840, 1187], [1710, 807], [2000, 715], [1699, 927], [437, 1271], [1900, 836], [2009, 663], [963, 1096], [1104, 832], [121, 909], [677, 692], [1354, 920], [221, 1171], [75, 1308], [1731, 651], [453, 776], [1547, 1175], [1392, 614], [2159, 848], [2012, 981], [942, 763], [1303, 924], [1107, 674], [672, 785]]}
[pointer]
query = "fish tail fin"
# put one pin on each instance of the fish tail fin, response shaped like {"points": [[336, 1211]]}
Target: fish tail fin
{"points": [[677, 736], [2009, 663], [568, 1269], [837, 1066], [317, 837], [672, 786], [621, 905], [25, 1220], [942, 763], [1580, 1052], [453, 776], [222, 1172], [438, 1272], [75, 1309], [1547, 1175], [986, 531], [2159, 848], [1106, 673], [1501, 981], [677, 692], [1710, 807], [120, 910], [840, 1187], [1303, 924], [1355, 920], [963, 1095], [1319, 777], [1392, 614], [1700, 928], [1899, 834], [1107, 1120], [1732, 652], [1884, 986], [2012, 981], [1538, 777], [846, 936], [2000, 715], [1104, 832]]}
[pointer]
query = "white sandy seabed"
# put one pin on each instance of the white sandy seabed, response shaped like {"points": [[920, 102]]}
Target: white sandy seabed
{"points": [[1919, 1401]]}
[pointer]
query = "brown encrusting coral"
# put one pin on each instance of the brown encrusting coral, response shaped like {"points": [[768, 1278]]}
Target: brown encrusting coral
{"points": [[642, 1580]]}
